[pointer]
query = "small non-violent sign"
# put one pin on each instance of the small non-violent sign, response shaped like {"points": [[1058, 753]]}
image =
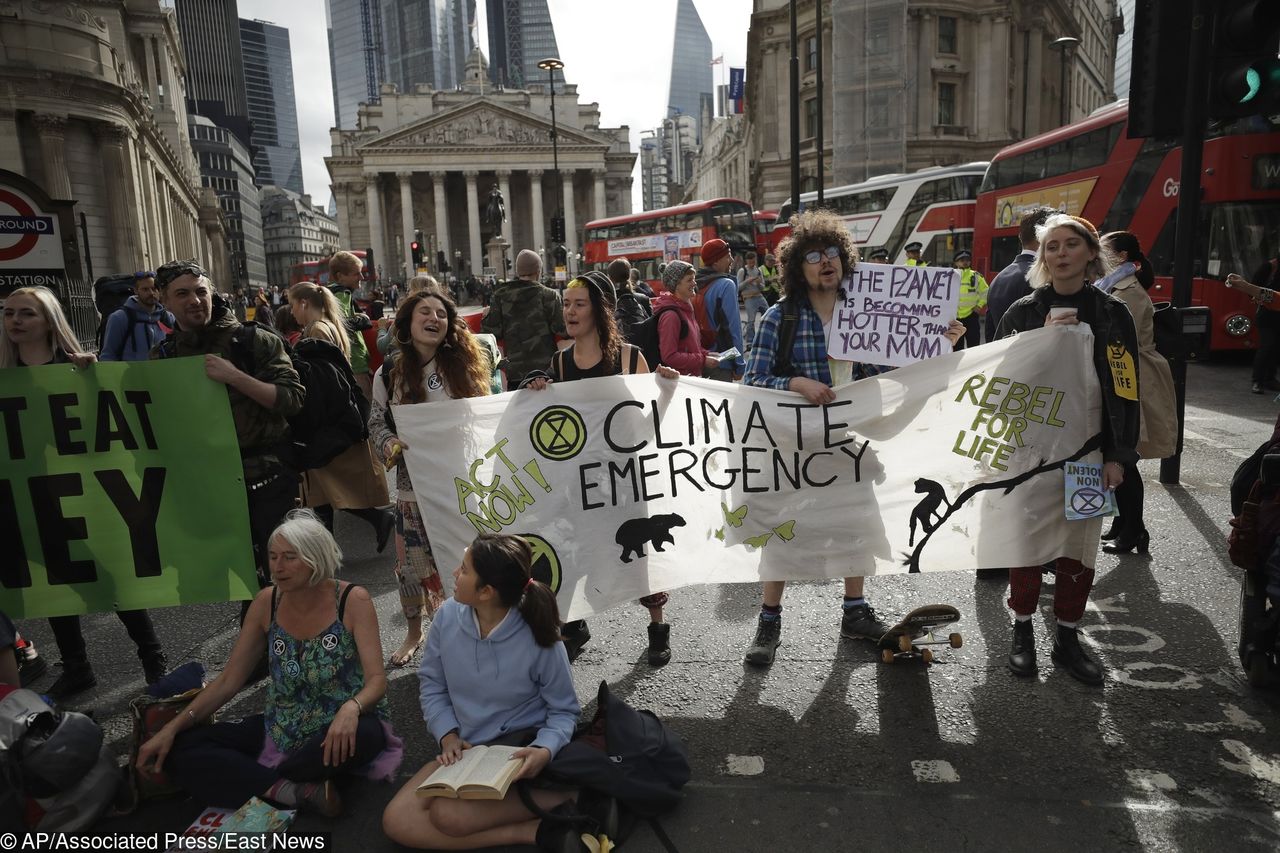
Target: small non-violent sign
{"points": [[1085, 495], [894, 315]]}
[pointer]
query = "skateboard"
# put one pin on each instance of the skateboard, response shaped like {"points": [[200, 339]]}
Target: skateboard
{"points": [[918, 630]]}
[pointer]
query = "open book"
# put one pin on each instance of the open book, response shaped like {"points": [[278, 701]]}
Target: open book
{"points": [[483, 773]]}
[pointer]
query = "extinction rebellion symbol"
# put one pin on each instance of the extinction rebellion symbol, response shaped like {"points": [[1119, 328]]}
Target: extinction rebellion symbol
{"points": [[558, 433], [546, 562]]}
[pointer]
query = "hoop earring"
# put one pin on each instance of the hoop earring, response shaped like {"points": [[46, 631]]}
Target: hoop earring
{"points": [[401, 341]]}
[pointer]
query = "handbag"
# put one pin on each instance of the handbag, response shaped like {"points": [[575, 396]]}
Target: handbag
{"points": [[150, 715]]}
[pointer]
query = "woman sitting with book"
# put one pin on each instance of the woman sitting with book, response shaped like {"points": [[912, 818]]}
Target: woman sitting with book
{"points": [[326, 711], [494, 671]]}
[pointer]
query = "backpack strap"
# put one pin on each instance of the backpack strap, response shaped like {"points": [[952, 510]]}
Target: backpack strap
{"points": [[241, 350], [786, 338], [342, 600], [635, 358], [684, 324]]}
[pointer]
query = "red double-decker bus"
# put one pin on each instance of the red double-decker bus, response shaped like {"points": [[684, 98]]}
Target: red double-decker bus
{"points": [[653, 237], [1092, 169], [318, 271], [767, 234]]}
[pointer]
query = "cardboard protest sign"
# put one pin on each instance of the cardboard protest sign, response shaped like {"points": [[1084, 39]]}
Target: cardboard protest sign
{"points": [[631, 485], [122, 489], [894, 315]]}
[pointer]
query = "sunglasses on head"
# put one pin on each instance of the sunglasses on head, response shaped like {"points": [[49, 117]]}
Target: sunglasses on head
{"points": [[816, 256]]}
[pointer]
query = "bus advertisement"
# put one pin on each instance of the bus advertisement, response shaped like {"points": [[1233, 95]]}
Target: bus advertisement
{"points": [[318, 271], [933, 207], [1092, 169], [653, 237]]}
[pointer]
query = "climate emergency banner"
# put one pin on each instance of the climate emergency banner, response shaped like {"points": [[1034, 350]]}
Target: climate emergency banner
{"points": [[631, 485], [122, 489]]}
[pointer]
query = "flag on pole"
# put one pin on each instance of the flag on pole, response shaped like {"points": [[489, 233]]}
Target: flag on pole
{"points": [[717, 60], [737, 80]]}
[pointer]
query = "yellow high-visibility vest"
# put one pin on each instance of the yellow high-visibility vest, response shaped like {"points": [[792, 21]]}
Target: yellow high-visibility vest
{"points": [[973, 293], [911, 262]]}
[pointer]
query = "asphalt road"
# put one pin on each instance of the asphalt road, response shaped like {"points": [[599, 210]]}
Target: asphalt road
{"points": [[831, 750]]}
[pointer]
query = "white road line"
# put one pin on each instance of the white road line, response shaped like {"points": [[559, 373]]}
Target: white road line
{"points": [[934, 771], [744, 765]]}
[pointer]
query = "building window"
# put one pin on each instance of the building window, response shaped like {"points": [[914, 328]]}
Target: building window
{"points": [[878, 108], [946, 104], [811, 54], [811, 118], [946, 34]]}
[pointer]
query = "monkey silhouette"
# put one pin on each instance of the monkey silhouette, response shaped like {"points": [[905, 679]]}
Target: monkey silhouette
{"points": [[928, 513]]}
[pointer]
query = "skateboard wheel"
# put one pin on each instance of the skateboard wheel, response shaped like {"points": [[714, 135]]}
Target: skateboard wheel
{"points": [[926, 655], [904, 643], [887, 656], [956, 641]]}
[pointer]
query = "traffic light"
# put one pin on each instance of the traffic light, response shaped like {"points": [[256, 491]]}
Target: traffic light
{"points": [[1158, 78], [557, 229], [416, 247], [561, 255], [1244, 75], [441, 264]]}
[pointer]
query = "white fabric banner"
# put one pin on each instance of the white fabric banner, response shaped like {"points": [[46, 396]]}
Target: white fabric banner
{"points": [[632, 485]]}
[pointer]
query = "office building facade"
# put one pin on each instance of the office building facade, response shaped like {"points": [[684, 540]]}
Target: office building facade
{"points": [[273, 110], [227, 169], [691, 72], [215, 66], [426, 42], [355, 56], [294, 231], [520, 36]]}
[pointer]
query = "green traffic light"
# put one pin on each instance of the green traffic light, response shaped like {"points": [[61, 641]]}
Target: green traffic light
{"points": [[1253, 83]]}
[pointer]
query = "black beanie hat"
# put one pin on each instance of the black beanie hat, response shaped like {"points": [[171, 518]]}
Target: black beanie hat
{"points": [[599, 287]]}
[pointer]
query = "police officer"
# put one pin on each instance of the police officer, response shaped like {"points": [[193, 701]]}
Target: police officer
{"points": [[973, 298], [913, 255], [879, 256]]}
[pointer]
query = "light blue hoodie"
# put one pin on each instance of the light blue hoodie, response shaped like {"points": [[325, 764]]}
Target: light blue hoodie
{"points": [[491, 687]]}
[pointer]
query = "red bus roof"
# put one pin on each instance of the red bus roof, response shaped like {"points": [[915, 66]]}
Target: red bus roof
{"points": [[691, 207], [1101, 117], [765, 214]]}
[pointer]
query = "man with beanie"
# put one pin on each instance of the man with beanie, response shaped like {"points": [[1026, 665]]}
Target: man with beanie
{"points": [[526, 316], [717, 308]]}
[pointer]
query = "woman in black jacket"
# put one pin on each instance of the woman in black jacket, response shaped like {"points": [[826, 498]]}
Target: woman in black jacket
{"points": [[1070, 257]]}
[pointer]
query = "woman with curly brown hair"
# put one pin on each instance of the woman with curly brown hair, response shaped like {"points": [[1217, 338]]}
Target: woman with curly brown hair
{"points": [[437, 359], [815, 259]]}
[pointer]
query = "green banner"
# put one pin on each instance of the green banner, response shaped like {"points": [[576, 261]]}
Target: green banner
{"points": [[122, 490]]}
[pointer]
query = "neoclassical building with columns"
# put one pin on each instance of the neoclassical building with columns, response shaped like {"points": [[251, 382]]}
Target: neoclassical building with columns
{"points": [[91, 109], [428, 161]]}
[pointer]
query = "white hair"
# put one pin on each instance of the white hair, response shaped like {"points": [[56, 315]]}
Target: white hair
{"points": [[1102, 264], [315, 545]]}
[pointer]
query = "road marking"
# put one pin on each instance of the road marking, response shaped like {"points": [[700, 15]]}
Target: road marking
{"points": [[1152, 643], [1214, 443], [1250, 764], [1235, 719], [744, 765], [934, 771], [1151, 781], [1108, 604], [1187, 679]]}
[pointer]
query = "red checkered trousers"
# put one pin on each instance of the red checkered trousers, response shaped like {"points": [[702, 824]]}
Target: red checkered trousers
{"points": [[1072, 584]]}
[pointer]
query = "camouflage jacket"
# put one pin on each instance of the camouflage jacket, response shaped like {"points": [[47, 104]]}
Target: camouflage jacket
{"points": [[526, 316], [259, 430]]}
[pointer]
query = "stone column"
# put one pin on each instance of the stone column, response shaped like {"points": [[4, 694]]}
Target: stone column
{"points": [[1035, 87], [10, 146], [473, 222], [406, 219], [119, 175], [373, 207], [570, 225], [149, 61], [504, 187], [53, 131], [598, 201], [539, 224], [442, 218]]}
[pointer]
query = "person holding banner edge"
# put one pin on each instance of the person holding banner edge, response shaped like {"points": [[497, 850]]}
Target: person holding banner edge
{"points": [[1071, 256], [815, 259], [35, 332]]}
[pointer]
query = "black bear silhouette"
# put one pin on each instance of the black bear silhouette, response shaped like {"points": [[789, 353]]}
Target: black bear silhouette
{"points": [[634, 533]]}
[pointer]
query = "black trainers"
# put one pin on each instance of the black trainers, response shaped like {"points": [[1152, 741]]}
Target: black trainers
{"points": [[860, 623], [768, 638], [575, 635], [76, 678], [154, 667], [1067, 653], [659, 643]]}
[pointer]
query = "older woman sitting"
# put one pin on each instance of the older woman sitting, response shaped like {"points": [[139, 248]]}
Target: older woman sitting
{"points": [[326, 713]]}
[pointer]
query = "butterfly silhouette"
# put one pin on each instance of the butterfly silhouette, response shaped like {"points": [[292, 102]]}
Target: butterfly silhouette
{"points": [[734, 517], [759, 541], [786, 531], [719, 534]]}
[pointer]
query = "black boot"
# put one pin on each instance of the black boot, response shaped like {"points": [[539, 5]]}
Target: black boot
{"points": [[659, 643], [1068, 653], [1124, 543], [75, 678], [1117, 525], [1022, 656]]}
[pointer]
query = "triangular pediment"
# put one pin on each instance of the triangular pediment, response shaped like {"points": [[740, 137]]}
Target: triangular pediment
{"points": [[480, 123]]}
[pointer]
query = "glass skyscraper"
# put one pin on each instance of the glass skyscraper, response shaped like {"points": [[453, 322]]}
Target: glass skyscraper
{"points": [[691, 78], [520, 36], [273, 111], [355, 56], [215, 70], [426, 41]]}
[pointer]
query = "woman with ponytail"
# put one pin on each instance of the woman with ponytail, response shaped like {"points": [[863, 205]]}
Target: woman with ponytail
{"points": [[494, 671]]}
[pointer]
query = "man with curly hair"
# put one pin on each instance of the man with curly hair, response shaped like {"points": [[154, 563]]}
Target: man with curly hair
{"points": [[815, 259]]}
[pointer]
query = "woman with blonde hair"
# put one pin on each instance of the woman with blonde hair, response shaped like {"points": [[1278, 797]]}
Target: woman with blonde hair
{"points": [[35, 332], [354, 481]]}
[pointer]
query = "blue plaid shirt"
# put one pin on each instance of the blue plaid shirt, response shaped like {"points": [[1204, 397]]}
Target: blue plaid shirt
{"points": [[808, 353]]}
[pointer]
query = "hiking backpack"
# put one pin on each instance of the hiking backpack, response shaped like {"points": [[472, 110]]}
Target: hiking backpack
{"points": [[715, 337], [110, 293], [56, 773], [335, 412], [645, 335], [632, 310]]}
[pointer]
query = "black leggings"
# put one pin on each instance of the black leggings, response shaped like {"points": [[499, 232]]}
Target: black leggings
{"points": [[1129, 499], [218, 764]]}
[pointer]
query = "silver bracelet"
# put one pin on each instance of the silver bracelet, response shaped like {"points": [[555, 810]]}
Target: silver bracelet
{"points": [[358, 705]]}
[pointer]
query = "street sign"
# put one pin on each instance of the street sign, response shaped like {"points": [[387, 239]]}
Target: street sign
{"points": [[30, 243]]}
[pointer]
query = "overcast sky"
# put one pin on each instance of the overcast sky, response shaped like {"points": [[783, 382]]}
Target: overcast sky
{"points": [[617, 52]]}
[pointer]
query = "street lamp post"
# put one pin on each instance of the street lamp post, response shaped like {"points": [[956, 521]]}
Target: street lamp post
{"points": [[551, 65], [1066, 45]]}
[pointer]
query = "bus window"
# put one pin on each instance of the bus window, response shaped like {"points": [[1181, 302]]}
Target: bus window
{"points": [[1136, 184], [1003, 251], [1241, 236], [733, 224]]}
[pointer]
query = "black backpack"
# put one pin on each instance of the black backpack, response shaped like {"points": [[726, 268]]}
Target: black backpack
{"points": [[110, 293], [645, 335], [632, 310], [335, 412], [786, 339]]}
